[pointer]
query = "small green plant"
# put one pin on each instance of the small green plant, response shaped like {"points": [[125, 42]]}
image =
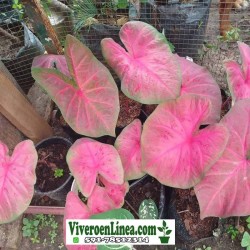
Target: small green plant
{"points": [[58, 172], [30, 229], [248, 222], [18, 7], [245, 242], [148, 210], [233, 232], [231, 35]]}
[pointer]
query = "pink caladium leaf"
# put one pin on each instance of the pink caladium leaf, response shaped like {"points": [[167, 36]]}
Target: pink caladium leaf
{"points": [[197, 80], [50, 62], [116, 192], [239, 79], [17, 179], [148, 70], [224, 191], [88, 100], [99, 201], [174, 150], [75, 209], [87, 158], [128, 145]]}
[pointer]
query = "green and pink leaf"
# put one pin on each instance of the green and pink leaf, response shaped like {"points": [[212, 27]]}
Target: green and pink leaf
{"points": [[148, 70], [174, 150], [17, 179], [88, 158], [224, 191], [128, 145]]}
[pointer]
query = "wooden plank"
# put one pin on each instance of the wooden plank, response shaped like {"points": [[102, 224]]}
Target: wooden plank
{"points": [[17, 109], [9, 135]]}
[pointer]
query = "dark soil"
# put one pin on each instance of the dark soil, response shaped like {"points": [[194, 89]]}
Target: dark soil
{"points": [[129, 110], [49, 159], [188, 208], [148, 188]]}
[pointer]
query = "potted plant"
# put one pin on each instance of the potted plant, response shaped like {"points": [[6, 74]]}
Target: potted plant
{"points": [[52, 172]]}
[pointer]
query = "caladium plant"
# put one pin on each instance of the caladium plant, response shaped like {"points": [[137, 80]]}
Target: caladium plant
{"points": [[225, 189], [148, 70], [17, 179], [171, 145], [239, 78], [88, 97]]}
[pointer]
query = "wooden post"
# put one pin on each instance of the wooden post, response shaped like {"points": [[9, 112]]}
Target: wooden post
{"points": [[42, 17], [17, 109]]}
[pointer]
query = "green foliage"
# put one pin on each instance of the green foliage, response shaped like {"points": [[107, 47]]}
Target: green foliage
{"points": [[232, 35], [148, 210], [164, 229], [58, 172], [248, 222], [83, 10], [233, 232], [31, 228], [18, 7], [245, 242]]}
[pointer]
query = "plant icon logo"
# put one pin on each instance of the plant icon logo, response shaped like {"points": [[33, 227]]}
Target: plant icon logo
{"points": [[166, 232]]}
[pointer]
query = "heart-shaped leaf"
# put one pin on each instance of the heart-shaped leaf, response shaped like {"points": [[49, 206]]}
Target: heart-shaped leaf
{"points": [[239, 80], [75, 209], [148, 70], [89, 100], [50, 62], [116, 192], [224, 190], [197, 80], [174, 150], [99, 201], [17, 179], [128, 145], [87, 158]]}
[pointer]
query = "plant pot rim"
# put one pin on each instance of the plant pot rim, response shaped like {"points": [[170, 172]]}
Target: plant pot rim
{"points": [[162, 202], [43, 143]]}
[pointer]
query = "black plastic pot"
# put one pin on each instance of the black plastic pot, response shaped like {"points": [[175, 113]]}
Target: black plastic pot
{"points": [[184, 24], [182, 233], [163, 202], [180, 229], [60, 192]]}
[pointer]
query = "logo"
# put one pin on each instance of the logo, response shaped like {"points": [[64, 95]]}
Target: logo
{"points": [[166, 232], [120, 232], [76, 240]]}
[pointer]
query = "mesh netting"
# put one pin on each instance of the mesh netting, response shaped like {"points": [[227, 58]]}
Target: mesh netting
{"points": [[188, 24]]}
